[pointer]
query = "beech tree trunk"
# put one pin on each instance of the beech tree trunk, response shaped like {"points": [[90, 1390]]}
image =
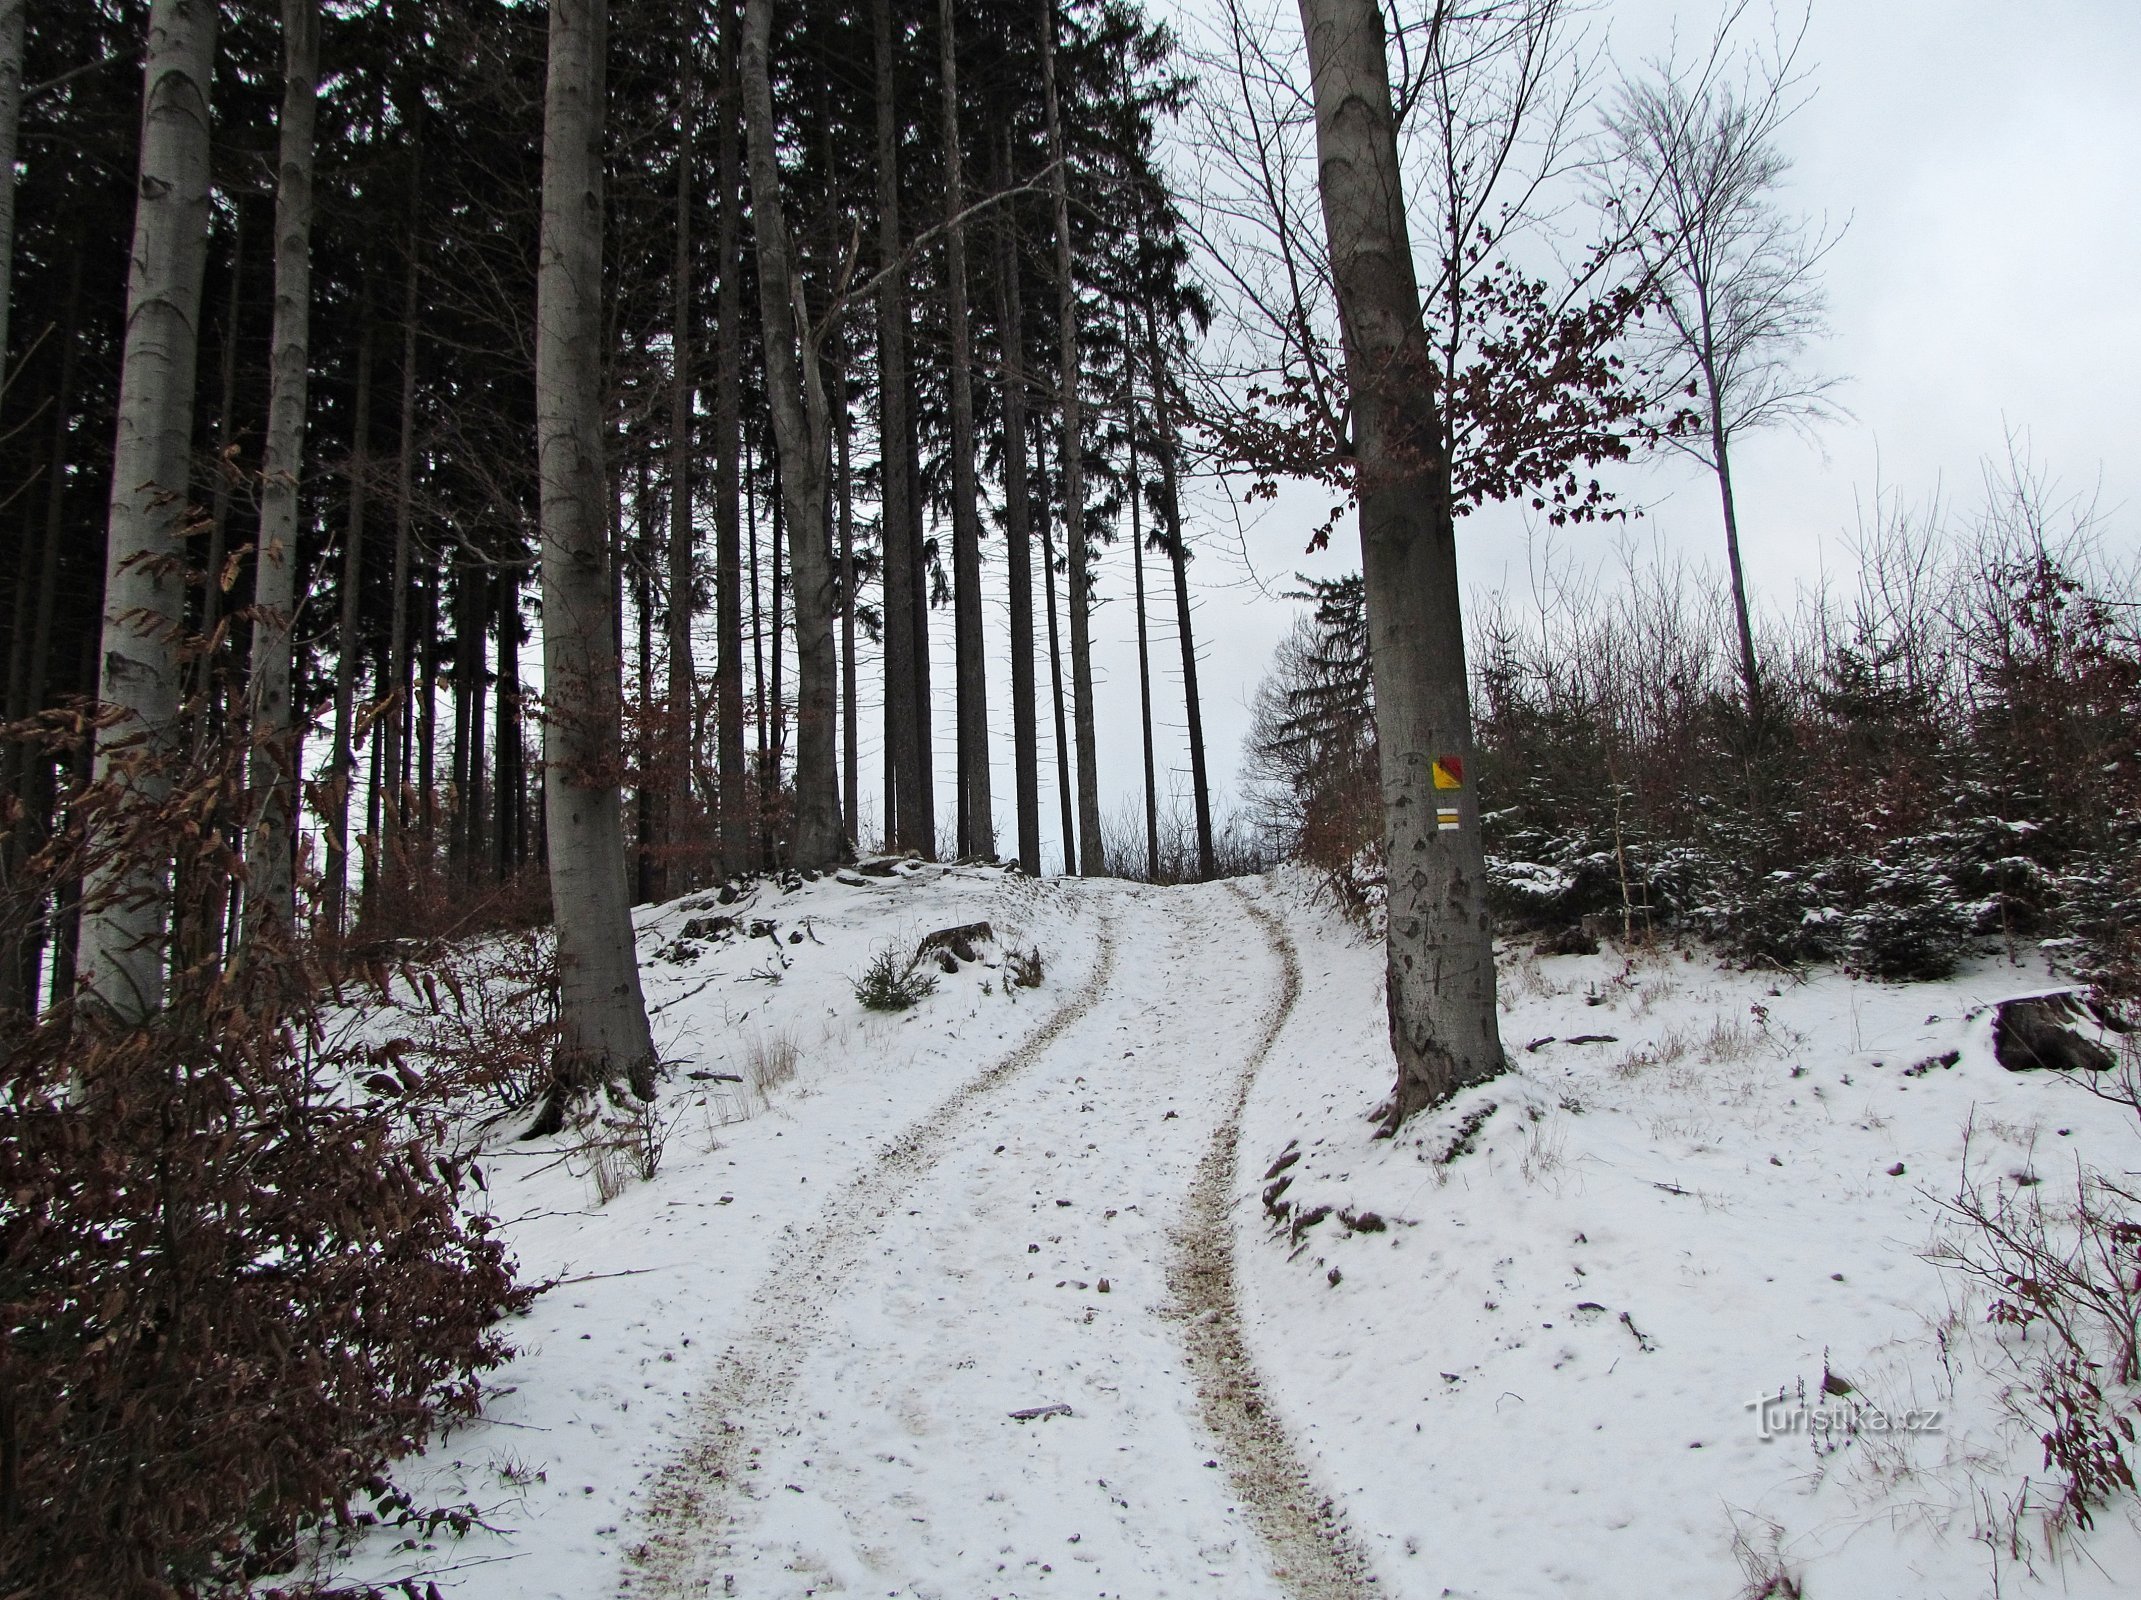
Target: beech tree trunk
{"points": [[911, 826], [602, 1017], [1440, 945], [126, 904], [976, 814], [802, 425], [270, 894], [1018, 537], [1092, 861]]}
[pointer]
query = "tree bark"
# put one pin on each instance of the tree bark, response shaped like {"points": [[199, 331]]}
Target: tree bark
{"points": [[1178, 559], [506, 766], [850, 758], [976, 814], [1721, 460], [28, 770], [795, 386], [342, 777], [1440, 945], [270, 892], [1092, 862], [390, 854], [1018, 536], [221, 475], [1055, 686], [602, 1017], [13, 17], [1137, 570], [674, 799], [121, 953], [728, 487], [910, 825]]}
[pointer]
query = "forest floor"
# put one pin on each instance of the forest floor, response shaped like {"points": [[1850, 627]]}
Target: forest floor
{"points": [[1518, 1355]]}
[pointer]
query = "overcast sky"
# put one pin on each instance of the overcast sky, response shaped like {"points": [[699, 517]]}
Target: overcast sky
{"points": [[1986, 155]]}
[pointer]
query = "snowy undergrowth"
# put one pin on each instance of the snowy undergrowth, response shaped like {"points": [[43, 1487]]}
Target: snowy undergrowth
{"points": [[1525, 1341], [777, 1087]]}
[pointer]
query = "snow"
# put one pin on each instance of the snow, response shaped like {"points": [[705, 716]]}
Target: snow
{"points": [[1715, 1184], [789, 1363]]}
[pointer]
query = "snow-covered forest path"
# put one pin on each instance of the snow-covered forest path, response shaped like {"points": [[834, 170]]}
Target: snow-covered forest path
{"points": [[1046, 1238]]}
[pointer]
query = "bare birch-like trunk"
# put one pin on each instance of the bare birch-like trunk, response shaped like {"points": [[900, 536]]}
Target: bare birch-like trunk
{"points": [[602, 1017], [1440, 945], [802, 423], [1092, 862], [270, 903], [126, 904]]}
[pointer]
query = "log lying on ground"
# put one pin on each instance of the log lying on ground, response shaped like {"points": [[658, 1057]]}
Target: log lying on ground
{"points": [[959, 942], [2037, 1034]]}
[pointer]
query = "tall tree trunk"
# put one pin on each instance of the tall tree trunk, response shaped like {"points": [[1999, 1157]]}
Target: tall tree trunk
{"points": [[850, 760], [28, 770], [1055, 686], [1137, 570], [121, 955], [760, 725], [1178, 559], [728, 439], [1440, 958], [777, 612], [674, 819], [342, 777], [603, 1033], [647, 831], [1092, 862], [390, 856], [795, 386], [976, 814], [222, 474], [1721, 459], [13, 16], [270, 893], [427, 710], [506, 757], [1018, 534], [910, 825]]}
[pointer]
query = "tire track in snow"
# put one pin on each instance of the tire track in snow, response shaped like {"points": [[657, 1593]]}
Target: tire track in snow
{"points": [[686, 1506], [1312, 1552]]}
